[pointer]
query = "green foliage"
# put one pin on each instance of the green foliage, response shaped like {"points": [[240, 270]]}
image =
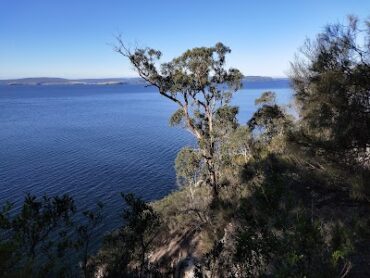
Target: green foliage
{"points": [[125, 251], [185, 208], [270, 120], [268, 98], [279, 234], [279, 228], [225, 120], [282, 204], [177, 117], [235, 152], [188, 166], [85, 234], [202, 87], [331, 81], [34, 241]]}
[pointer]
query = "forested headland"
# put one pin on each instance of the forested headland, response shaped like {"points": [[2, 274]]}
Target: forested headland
{"points": [[286, 194]]}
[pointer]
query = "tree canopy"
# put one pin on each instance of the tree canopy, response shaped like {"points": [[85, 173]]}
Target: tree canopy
{"points": [[331, 79], [201, 85]]}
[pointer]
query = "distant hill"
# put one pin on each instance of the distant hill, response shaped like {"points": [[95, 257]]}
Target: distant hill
{"points": [[63, 81], [33, 81], [262, 82], [248, 81], [254, 78]]}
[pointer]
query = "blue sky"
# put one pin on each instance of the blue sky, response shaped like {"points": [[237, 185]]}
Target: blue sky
{"points": [[72, 39]]}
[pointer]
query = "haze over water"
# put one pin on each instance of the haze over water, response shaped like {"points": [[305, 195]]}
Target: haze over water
{"points": [[94, 142]]}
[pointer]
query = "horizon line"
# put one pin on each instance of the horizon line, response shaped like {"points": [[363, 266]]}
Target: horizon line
{"points": [[120, 77]]}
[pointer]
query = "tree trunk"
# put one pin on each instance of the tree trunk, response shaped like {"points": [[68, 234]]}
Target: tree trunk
{"points": [[211, 151], [214, 185], [212, 177], [143, 252]]}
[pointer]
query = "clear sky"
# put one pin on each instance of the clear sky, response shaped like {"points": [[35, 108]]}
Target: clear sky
{"points": [[72, 38]]}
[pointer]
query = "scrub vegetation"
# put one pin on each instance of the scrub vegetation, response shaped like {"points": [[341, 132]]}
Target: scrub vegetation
{"points": [[282, 195]]}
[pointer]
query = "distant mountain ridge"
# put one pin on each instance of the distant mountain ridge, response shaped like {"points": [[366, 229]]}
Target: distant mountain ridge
{"points": [[250, 80], [64, 81]]}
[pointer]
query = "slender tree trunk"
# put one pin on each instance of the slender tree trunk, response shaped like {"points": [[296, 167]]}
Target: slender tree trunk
{"points": [[212, 177], [143, 252], [208, 150], [214, 184], [211, 153]]}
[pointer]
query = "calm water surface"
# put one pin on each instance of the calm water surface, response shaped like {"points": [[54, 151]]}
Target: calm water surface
{"points": [[93, 142]]}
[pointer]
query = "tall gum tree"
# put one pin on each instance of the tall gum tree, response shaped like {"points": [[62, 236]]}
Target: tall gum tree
{"points": [[200, 84]]}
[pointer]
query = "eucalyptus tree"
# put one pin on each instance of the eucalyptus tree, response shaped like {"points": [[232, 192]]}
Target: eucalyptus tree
{"points": [[269, 123], [201, 85]]}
